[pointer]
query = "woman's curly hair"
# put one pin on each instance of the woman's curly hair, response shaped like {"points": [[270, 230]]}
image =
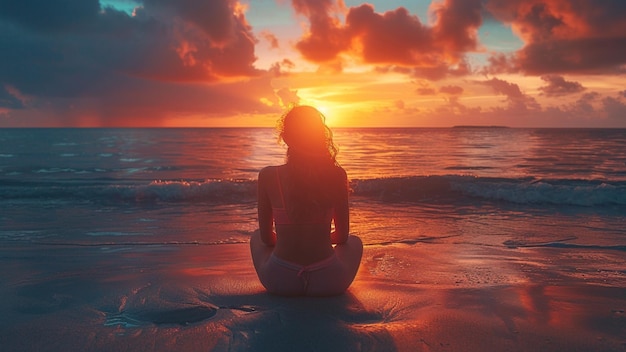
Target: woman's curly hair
{"points": [[314, 175], [304, 130]]}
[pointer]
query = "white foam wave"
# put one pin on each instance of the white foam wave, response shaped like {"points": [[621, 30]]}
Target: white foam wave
{"points": [[452, 188]]}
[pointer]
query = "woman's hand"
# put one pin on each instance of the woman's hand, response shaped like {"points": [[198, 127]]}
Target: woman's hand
{"points": [[264, 210], [270, 239], [338, 238]]}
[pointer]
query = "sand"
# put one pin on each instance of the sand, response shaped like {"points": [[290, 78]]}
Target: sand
{"points": [[406, 297]]}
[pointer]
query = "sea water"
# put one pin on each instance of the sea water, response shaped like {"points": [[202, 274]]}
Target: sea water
{"points": [[118, 239], [485, 186]]}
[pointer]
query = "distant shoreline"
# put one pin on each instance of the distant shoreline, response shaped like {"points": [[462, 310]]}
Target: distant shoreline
{"points": [[479, 126]]}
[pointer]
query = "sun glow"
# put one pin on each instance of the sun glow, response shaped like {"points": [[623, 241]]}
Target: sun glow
{"points": [[321, 105], [327, 109]]}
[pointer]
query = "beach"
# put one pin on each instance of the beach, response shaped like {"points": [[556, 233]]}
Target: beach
{"points": [[406, 297], [475, 240]]}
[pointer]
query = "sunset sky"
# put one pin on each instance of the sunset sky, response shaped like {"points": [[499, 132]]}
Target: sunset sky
{"points": [[520, 63]]}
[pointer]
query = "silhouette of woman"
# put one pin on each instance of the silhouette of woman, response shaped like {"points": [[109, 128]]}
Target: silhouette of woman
{"points": [[295, 252]]}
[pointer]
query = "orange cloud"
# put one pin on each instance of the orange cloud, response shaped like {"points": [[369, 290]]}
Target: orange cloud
{"points": [[325, 38], [394, 37]]}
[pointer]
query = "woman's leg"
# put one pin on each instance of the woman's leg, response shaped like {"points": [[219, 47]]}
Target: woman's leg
{"points": [[260, 251], [350, 254], [276, 276], [334, 277]]}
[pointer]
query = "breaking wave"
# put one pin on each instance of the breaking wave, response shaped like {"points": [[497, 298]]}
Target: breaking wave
{"points": [[402, 189]]}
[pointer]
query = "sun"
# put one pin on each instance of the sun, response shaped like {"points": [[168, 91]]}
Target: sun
{"points": [[326, 112], [324, 107]]}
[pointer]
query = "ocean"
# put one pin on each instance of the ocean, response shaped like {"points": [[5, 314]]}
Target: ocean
{"points": [[475, 239], [486, 186]]}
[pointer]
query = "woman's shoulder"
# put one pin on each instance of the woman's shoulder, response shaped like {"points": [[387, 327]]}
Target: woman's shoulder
{"points": [[269, 170], [340, 171]]}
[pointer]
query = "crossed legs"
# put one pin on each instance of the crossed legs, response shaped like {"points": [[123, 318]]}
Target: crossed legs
{"points": [[335, 280]]}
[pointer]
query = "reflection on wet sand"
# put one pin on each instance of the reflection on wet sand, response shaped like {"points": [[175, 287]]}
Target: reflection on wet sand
{"points": [[406, 297]]}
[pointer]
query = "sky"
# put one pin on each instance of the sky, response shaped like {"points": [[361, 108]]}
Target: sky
{"points": [[391, 63]]}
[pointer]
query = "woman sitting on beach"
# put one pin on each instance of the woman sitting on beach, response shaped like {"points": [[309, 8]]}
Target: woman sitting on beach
{"points": [[302, 198]]}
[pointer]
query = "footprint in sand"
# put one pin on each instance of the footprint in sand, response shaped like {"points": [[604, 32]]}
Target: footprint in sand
{"points": [[180, 316]]}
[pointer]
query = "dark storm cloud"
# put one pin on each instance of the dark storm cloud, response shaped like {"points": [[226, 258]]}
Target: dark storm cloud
{"points": [[59, 52], [46, 15]]}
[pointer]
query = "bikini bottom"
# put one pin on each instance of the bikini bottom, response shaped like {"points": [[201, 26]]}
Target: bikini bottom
{"points": [[328, 277]]}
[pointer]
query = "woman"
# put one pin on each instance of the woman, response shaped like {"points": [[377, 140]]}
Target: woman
{"points": [[293, 251]]}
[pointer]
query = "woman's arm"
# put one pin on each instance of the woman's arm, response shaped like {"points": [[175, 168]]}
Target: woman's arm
{"points": [[341, 213], [264, 209]]}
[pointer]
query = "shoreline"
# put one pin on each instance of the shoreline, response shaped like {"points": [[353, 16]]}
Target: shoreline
{"points": [[406, 297]]}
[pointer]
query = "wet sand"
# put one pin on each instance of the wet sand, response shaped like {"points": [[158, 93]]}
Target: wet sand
{"points": [[406, 297]]}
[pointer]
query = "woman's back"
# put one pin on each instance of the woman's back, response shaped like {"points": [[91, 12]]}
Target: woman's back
{"points": [[306, 238]]}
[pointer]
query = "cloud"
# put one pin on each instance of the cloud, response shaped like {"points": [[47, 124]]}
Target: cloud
{"points": [[563, 36], [288, 96], [586, 55], [394, 38], [10, 98], [425, 91], [72, 57], [50, 16], [584, 105], [442, 71], [211, 39], [590, 109], [456, 26], [425, 88], [271, 39], [517, 101], [325, 39], [213, 18], [511, 90], [558, 86], [454, 107], [276, 69], [451, 90], [615, 109]]}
